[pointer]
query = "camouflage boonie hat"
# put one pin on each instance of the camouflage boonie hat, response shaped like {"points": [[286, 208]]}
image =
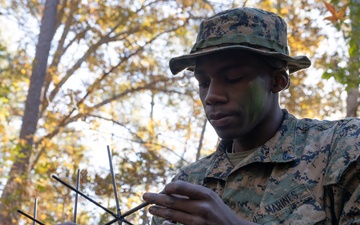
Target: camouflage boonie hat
{"points": [[245, 28]]}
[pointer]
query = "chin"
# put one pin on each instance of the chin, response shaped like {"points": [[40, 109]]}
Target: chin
{"points": [[230, 133], [226, 135]]}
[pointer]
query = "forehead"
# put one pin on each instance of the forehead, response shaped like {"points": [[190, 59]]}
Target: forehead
{"points": [[239, 57]]}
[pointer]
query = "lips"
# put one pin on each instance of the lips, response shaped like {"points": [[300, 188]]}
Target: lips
{"points": [[217, 116], [219, 119]]}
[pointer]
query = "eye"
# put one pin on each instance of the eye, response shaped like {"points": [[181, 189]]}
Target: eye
{"points": [[234, 74], [203, 80], [237, 75], [233, 78]]}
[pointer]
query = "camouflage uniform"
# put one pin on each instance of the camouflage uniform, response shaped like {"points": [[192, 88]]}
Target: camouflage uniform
{"points": [[308, 173]]}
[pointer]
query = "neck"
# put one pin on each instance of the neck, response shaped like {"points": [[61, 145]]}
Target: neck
{"points": [[263, 132]]}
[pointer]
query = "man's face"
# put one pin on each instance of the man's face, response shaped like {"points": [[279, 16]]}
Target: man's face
{"points": [[235, 90]]}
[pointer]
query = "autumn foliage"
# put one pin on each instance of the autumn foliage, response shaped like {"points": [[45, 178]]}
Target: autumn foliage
{"points": [[106, 82]]}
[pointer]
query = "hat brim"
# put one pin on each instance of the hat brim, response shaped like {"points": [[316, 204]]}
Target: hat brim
{"points": [[178, 64]]}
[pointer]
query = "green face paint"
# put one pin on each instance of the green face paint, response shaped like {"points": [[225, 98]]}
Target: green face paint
{"points": [[255, 99]]}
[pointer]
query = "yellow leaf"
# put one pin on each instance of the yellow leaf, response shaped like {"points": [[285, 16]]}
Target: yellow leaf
{"points": [[342, 11], [42, 216], [18, 180], [331, 18], [335, 15], [330, 7]]}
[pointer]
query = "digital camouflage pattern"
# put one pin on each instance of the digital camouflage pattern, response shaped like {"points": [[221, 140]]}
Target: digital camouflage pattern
{"points": [[245, 28], [248, 25], [308, 173]]}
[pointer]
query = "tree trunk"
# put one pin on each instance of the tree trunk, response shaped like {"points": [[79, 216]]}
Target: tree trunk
{"points": [[352, 102], [15, 187], [201, 139]]}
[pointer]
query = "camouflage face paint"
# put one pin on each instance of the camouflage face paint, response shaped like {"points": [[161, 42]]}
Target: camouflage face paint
{"points": [[255, 99]]}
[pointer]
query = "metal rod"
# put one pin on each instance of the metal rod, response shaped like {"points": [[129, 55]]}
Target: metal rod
{"points": [[136, 208], [116, 220], [30, 217], [131, 211], [90, 199], [76, 195], [84, 195], [35, 209], [114, 185]]}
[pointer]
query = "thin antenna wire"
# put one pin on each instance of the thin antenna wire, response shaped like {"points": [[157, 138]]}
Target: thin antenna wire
{"points": [[83, 195], [30, 217], [35, 209], [114, 185], [90, 199], [76, 195], [131, 211], [118, 217]]}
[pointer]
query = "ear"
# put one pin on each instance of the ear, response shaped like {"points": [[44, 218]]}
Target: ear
{"points": [[280, 80]]}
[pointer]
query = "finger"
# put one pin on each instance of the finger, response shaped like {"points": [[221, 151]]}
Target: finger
{"points": [[150, 197], [170, 201], [192, 191]]}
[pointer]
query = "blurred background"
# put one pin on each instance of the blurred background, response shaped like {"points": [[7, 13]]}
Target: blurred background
{"points": [[77, 76]]}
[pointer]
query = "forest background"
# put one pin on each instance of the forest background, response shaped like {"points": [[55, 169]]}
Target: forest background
{"points": [[79, 75]]}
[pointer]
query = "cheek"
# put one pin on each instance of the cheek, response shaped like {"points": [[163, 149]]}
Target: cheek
{"points": [[202, 95], [256, 96]]}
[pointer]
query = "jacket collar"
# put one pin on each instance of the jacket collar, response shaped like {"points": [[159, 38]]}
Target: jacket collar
{"points": [[279, 149]]}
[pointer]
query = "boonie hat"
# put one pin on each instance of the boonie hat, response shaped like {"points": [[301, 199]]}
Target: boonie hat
{"points": [[244, 28]]}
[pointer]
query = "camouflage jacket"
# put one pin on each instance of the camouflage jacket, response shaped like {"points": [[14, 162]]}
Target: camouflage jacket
{"points": [[308, 173]]}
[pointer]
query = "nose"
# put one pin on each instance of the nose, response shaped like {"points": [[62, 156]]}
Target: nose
{"points": [[216, 94]]}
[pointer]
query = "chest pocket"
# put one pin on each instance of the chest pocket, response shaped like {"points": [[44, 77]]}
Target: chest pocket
{"points": [[297, 206]]}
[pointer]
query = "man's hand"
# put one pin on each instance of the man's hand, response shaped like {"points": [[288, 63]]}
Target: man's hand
{"points": [[191, 204]]}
